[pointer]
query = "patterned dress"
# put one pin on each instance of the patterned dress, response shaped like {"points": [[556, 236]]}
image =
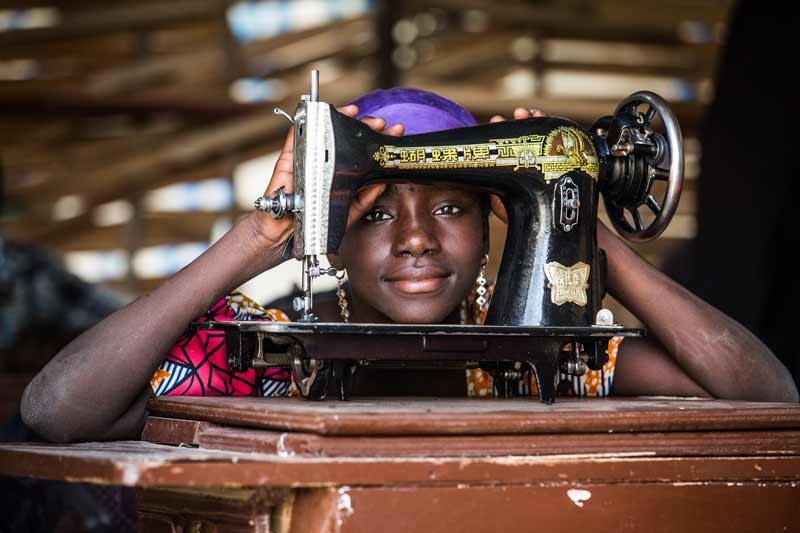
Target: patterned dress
{"points": [[197, 364]]}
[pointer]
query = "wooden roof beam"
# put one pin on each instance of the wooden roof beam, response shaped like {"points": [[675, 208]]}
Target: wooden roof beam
{"points": [[590, 21], [219, 142], [133, 16]]}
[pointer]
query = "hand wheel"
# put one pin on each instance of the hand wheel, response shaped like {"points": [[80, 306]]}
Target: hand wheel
{"points": [[637, 158]]}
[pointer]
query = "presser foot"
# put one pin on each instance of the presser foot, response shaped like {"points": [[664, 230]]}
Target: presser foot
{"points": [[343, 376], [512, 379], [547, 375]]}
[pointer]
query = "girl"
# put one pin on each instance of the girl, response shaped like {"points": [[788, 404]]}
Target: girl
{"points": [[413, 254]]}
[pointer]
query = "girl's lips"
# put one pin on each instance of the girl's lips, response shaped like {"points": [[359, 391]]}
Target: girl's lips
{"points": [[418, 286], [418, 280]]}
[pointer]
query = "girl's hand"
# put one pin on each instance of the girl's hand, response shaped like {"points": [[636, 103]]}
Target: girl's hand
{"points": [[364, 199], [519, 113], [275, 232]]}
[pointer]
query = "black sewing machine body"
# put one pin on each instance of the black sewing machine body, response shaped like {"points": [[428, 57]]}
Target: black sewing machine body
{"points": [[551, 273], [545, 313]]}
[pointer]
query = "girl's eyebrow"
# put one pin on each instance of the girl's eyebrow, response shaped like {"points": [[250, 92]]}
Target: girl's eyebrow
{"points": [[438, 186]]}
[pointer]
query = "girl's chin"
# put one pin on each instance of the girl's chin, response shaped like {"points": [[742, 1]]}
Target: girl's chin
{"points": [[420, 313]]}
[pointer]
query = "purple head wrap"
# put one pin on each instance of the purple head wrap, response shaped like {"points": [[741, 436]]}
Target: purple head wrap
{"points": [[419, 111]]}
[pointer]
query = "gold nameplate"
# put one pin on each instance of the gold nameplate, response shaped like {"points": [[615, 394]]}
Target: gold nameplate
{"points": [[562, 150], [567, 284]]}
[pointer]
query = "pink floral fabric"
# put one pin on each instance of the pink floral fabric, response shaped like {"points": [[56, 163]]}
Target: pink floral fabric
{"points": [[197, 364]]}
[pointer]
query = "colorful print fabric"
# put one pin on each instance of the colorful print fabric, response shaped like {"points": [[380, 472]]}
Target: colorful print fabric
{"points": [[592, 383], [197, 364]]}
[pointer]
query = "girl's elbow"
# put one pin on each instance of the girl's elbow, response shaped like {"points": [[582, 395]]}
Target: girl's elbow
{"points": [[40, 416]]}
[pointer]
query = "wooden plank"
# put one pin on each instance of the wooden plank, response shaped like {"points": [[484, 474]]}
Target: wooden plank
{"points": [[266, 46], [484, 102], [502, 66], [567, 20], [141, 464], [191, 149], [156, 230], [173, 431], [459, 54], [341, 40], [80, 232], [51, 103], [121, 46], [116, 18], [658, 444], [465, 416]]}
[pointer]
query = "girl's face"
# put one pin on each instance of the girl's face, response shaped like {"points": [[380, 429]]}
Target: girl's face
{"points": [[415, 255]]}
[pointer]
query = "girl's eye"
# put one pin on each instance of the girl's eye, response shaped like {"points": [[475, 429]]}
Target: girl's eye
{"points": [[448, 210], [377, 216]]}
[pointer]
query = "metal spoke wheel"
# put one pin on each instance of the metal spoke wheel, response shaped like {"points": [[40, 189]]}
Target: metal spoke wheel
{"points": [[640, 157]]}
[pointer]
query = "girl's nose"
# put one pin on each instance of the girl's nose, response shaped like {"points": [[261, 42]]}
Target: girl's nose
{"points": [[415, 238]]}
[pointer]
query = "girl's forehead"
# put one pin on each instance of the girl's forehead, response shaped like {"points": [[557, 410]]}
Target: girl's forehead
{"points": [[396, 189]]}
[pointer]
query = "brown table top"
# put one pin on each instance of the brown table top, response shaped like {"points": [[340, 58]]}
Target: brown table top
{"points": [[142, 464], [480, 416], [240, 442]]}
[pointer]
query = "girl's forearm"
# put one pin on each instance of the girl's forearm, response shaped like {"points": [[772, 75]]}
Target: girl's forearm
{"points": [[717, 352], [91, 383]]}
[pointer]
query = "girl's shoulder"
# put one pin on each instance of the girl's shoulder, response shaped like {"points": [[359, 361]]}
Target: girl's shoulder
{"points": [[197, 364], [237, 306]]}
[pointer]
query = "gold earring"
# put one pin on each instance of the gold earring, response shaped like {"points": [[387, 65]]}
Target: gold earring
{"points": [[340, 294]]}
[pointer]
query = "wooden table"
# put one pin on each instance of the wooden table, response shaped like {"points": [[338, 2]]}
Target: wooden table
{"points": [[386, 465]]}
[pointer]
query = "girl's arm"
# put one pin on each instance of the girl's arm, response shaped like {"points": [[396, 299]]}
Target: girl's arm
{"points": [[96, 388], [693, 349]]}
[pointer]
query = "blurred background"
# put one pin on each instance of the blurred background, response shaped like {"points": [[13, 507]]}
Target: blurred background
{"points": [[134, 133]]}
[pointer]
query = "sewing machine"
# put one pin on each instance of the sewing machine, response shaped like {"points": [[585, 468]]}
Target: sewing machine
{"points": [[545, 312]]}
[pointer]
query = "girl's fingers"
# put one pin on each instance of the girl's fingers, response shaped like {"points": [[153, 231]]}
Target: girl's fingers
{"points": [[395, 129], [363, 201], [349, 110], [283, 174], [376, 123], [498, 208], [364, 198], [521, 112]]}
